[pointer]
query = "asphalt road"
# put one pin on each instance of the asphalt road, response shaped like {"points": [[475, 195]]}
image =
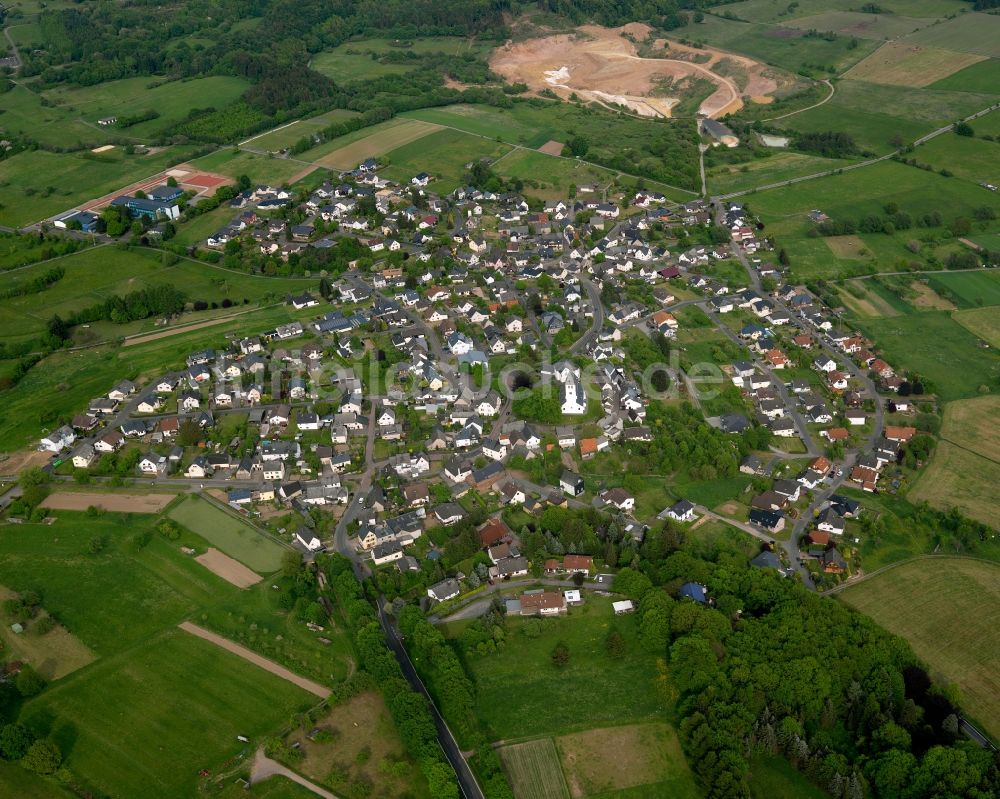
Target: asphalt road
{"points": [[466, 779]]}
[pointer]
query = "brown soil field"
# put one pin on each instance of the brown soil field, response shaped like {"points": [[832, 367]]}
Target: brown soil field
{"points": [[232, 571], [115, 503], [602, 65], [252, 657], [552, 147], [906, 64], [928, 298], [25, 459], [378, 143], [617, 758]]}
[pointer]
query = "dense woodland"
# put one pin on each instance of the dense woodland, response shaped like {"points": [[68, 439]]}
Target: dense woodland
{"points": [[767, 668]]}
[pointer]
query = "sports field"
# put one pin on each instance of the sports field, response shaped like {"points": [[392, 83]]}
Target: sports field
{"points": [[908, 64], [173, 694], [38, 184], [947, 608], [347, 151], [260, 168], [534, 771], [229, 534]]}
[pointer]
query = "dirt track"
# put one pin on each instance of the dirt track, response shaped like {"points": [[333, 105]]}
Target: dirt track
{"points": [[116, 503], [602, 65], [230, 570], [252, 657]]}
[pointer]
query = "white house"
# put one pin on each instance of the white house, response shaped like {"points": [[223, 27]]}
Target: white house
{"points": [[573, 398], [58, 440]]}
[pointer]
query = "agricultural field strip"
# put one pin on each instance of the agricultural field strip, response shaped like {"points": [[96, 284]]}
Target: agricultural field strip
{"points": [[252, 657], [562, 157]]}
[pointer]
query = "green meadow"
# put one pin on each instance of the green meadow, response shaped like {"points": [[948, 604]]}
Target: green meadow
{"points": [[231, 535], [38, 184], [546, 701], [93, 275], [174, 693]]}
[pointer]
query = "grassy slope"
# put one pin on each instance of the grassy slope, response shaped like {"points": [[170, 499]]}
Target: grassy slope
{"points": [[946, 609], [94, 275], [547, 700], [175, 694]]}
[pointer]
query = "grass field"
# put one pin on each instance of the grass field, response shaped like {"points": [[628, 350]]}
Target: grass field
{"points": [[173, 100], [966, 33], [961, 479], [865, 191], [626, 686], [53, 655], [69, 379], [534, 771], [868, 304], [763, 171], [442, 153], [907, 64], [256, 619], [531, 125], [613, 761], [972, 424], [983, 77], [975, 160], [990, 123], [547, 176], [234, 537], [781, 46], [348, 151], [173, 694], [37, 184], [286, 135], [115, 598], [773, 10], [972, 289], [775, 778], [260, 168], [873, 114], [864, 26], [364, 755], [983, 323], [351, 62], [95, 274], [935, 346], [16, 781], [947, 609]]}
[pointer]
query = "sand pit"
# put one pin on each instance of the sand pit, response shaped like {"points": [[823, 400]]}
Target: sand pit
{"points": [[552, 147], [115, 503], [601, 65], [232, 571]]}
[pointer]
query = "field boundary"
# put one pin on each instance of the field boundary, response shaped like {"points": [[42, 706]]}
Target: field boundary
{"points": [[868, 575], [252, 657]]}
